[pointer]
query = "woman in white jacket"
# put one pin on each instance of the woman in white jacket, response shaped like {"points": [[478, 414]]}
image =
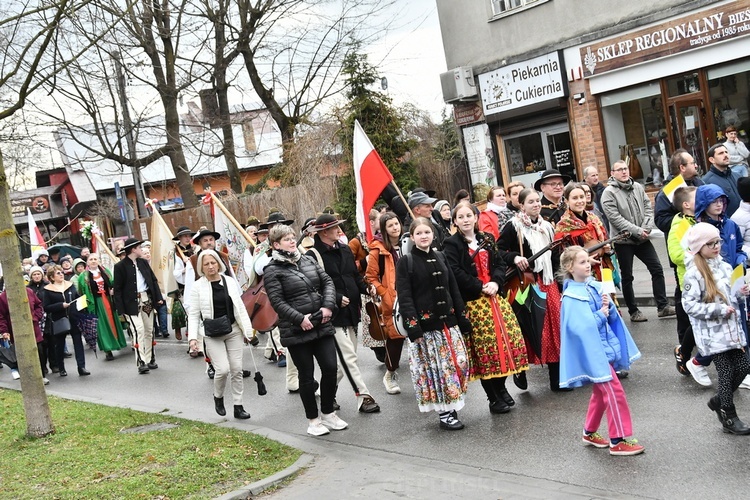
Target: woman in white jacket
{"points": [[215, 302]]}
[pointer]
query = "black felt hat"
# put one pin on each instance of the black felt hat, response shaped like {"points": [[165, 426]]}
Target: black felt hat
{"points": [[183, 230], [548, 174], [205, 232], [131, 243], [325, 221]]}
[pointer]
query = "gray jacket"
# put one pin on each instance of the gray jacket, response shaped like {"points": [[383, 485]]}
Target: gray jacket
{"points": [[628, 209]]}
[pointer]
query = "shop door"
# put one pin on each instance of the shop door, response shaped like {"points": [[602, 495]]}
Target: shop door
{"points": [[689, 129], [560, 153]]}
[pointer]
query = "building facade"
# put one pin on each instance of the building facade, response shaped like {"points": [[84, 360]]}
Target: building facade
{"points": [[569, 84]]}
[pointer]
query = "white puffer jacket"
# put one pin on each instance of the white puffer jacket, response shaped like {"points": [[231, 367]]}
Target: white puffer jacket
{"points": [[713, 331], [742, 218]]}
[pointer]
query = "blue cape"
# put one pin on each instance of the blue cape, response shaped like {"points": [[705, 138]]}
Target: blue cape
{"points": [[583, 357]]}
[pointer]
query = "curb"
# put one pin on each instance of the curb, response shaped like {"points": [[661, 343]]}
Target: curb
{"points": [[259, 486]]}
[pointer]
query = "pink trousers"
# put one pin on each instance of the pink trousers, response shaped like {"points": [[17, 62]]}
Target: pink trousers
{"points": [[609, 397]]}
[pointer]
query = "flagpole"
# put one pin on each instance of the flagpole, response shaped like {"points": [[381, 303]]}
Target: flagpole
{"points": [[105, 247], [231, 218], [401, 195], [161, 220]]}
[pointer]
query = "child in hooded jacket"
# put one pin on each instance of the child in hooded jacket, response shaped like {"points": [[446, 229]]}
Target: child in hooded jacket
{"points": [[714, 315], [594, 344]]}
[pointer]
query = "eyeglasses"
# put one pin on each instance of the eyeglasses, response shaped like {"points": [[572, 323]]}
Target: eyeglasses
{"points": [[621, 169], [59, 272], [690, 163], [553, 184], [715, 244]]}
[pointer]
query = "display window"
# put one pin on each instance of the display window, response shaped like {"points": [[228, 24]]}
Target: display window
{"points": [[729, 88], [530, 152]]}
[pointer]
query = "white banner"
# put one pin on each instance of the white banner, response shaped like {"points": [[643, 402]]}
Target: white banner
{"points": [[162, 254], [233, 244]]}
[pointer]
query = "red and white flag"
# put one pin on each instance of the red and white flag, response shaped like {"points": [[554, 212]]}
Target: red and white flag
{"points": [[371, 176], [35, 236]]}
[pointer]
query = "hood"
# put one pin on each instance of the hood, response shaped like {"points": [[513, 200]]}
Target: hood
{"points": [[705, 195]]}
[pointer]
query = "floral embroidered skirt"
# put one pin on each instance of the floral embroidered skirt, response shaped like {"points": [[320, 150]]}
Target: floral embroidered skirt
{"points": [[496, 347], [439, 370]]}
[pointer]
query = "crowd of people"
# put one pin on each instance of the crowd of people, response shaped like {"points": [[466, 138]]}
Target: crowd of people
{"points": [[472, 295]]}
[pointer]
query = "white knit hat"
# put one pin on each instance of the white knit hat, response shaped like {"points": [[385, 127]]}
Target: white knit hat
{"points": [[699, 235]]}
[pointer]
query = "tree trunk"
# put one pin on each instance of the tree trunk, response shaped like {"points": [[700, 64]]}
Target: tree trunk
{"points": [[36, 407]]}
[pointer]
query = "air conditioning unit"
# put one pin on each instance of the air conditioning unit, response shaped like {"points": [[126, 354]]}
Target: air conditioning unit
{"points": [[458, 85]]}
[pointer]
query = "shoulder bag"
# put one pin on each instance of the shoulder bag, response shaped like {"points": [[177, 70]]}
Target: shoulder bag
{"points": [[218, 327]]}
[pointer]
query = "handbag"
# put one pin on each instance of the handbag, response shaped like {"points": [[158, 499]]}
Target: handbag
{"points": [[259, 309], [61, 326], [218, 327]]}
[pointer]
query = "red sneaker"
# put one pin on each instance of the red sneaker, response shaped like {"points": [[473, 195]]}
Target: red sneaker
{"points": [[595, 439], [626, 447]]}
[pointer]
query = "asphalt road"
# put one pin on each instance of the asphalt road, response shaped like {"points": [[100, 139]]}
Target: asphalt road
{"points": [[533, 452]]}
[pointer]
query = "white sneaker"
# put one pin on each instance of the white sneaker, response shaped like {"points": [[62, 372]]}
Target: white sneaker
{"points": [[333, 422], [699, 373], [390, 381], [45, 380], [14, 373], [745, 384], [316, 428]]}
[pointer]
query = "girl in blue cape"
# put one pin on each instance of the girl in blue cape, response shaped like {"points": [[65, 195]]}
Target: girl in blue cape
{"points": [[594, 344]]}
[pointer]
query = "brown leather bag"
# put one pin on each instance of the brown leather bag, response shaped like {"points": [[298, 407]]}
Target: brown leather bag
{"points": [[259, 308], [378, 331]]}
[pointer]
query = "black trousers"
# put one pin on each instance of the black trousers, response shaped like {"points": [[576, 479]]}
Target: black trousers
{"points": [[646, 253], [393, 348], [77, 346], [304, 355]]}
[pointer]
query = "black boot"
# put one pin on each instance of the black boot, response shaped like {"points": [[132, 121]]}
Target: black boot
{"points": [[219, 405], [732, 423], [554, 378], [239, 412], [502, 392], [714, 405], [497, 404]]}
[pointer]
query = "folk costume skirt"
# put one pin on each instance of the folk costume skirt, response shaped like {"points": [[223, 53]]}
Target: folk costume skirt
{"points": [[439, 370], [496, 347]]}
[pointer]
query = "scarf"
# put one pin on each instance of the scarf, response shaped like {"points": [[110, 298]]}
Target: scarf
{"points": [[288, 257], [495, 208], [538, 234]]}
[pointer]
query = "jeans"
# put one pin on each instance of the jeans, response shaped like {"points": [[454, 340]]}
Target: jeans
{"points": [[324, 351], [740, 169], [162, 318], [646, 253]]}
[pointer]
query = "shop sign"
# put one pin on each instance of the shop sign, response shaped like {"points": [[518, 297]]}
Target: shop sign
{"points": [[689, 32], [479, 155], [466, 113], [522, 84], [37, 204]]}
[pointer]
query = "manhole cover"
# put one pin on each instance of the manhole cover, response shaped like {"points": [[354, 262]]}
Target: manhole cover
{"points": [[148, 428]]}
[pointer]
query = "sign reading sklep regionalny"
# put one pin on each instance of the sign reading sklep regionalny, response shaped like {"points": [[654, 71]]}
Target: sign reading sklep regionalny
{"points": [[522, 84]]}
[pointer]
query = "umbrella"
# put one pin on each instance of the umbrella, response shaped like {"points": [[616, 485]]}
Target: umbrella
{"points": [[530, 310], [66, 249], [8, 356], [258, 377]]}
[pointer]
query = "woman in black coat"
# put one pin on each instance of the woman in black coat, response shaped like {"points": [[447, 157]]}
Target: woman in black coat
{"points": [[59, 302], [304, 297]]}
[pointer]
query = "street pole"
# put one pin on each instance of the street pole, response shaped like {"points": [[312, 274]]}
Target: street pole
{"points": [[128, 125]]}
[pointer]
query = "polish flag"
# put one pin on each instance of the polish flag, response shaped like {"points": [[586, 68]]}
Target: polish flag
{"points": [[35, 236], [370, 175]]}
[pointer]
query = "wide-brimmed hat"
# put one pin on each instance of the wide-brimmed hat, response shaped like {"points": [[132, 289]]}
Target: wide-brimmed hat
{"points": [[205, 232], [307, 224], [215, 255], [547, 174], [420, 198], [325, 221], [276, 217], [130, 243], [182, 231], [252, 221], [262, 229]]}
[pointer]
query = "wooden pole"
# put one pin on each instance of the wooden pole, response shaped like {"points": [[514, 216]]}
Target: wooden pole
{"points": [[231, 218], [401, 195], [106, 247]]}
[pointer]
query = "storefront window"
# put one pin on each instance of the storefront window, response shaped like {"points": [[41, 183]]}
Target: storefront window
{"points": [[634, 121], [530, 153], [683, 84], [729, 87]]}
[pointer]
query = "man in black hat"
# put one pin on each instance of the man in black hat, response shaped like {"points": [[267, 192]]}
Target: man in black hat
{"points": [[137, 295], [338, 262], [552, 184]]}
